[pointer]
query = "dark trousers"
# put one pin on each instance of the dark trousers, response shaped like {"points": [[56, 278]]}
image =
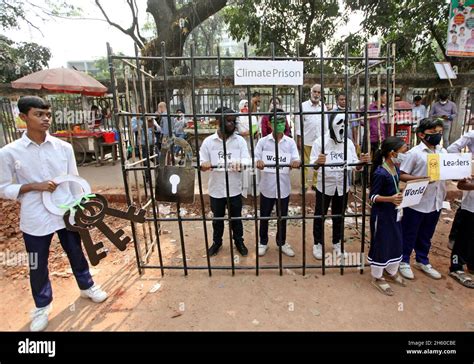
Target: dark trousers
{"points": [[337, 207], [218, 206], [418, 229], [456, 226], [39, 274], [266, 208], [463, 248]]}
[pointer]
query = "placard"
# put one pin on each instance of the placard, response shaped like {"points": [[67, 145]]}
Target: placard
{"points": [[268, 73], [446, 166], [413, 193], [270, 158]]}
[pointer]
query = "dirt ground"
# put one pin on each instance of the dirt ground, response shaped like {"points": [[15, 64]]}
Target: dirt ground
{"points": [[196, 302]]}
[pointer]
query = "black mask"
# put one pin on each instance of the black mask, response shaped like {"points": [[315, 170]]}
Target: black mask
{"points": [[433, 139]]}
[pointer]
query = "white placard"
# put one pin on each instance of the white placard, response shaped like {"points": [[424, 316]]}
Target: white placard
{"points": [[445, 71], [447, 166], [217, 157], [334, 157], [270, 158], [268, 73], [413, 193]]}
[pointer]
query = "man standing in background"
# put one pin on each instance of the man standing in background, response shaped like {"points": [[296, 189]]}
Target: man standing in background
{"points": [[313, 128], [446, 110]]}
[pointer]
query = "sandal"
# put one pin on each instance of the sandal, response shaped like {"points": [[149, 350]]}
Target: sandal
{"points": [[462, 278], [397, 278], [382, 286]]}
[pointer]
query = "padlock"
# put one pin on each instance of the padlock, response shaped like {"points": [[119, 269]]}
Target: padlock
{"points": [[175, 183]]}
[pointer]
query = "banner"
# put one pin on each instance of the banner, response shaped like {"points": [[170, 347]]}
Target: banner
{"points": [[413, 193], [268, 73], [460, 41], [448, 166]]}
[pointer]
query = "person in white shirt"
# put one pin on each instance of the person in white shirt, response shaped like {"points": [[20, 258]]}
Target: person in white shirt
{"points": [[211, 155], [419, 221], [27, 168], [463, 248], [265, 154], [334, 192], [243, 125], [418, 110], [465, 141], [313, 128]]}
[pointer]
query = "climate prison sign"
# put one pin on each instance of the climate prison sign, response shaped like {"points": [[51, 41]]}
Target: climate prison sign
{"points": [[251, 73]]}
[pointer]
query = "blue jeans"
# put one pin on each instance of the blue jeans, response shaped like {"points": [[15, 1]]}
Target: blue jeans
{"points": [[39, 274], [418, 229]]}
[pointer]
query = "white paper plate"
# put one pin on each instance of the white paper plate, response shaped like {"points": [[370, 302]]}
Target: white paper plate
{"points": [[48, 196]]}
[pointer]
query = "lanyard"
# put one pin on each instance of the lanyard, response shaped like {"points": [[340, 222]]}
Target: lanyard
{"points": [[385, 165]]}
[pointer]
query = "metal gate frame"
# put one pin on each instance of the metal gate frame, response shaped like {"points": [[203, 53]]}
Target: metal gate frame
{"points": [[151, 230]]}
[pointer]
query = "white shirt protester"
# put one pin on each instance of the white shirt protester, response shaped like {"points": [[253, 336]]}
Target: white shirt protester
{"points": [[415, 164], [419, 112], [212, 150], [311, 123], [23, 162], [266, 151], [333, 176], [467, 140]]}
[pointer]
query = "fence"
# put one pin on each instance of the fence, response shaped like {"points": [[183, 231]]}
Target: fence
{"points": [[140, 171]]}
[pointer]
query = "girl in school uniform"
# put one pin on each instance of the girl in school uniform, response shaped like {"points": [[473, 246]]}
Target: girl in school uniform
{"points": [[386, 245]]}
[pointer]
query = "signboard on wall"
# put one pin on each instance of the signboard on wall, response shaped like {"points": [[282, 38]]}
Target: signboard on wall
{"points": [[460, 40], [252, 73]]}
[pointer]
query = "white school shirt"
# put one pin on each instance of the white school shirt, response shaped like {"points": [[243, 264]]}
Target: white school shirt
{"points": [[268, 183], [467, 140], [213, 144], [23, 162], [416, 165], [334, 176], [312, 123]]}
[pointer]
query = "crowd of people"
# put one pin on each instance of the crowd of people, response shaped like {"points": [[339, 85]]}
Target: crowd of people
{"points": [[395, 233], [29, 164]]}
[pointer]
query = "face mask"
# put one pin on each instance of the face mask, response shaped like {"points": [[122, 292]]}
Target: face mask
{"points": [[399, 158], [244, 110], [281, 127], [337, 128], [433, 139], [444, 102]]}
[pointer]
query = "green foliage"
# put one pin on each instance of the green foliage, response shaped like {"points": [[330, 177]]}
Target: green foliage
{"points": [[20, 59], [417, 28], [287, 24]]}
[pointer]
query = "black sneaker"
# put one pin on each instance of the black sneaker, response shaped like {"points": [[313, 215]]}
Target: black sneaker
{"points": [[214, 249], [241, 248]]}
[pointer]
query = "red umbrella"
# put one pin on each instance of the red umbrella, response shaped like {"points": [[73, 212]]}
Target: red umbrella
{"points": [[62, 80], [403, 105]]}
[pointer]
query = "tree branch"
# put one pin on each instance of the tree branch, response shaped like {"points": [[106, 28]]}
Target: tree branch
{"points": [[130, 31]]}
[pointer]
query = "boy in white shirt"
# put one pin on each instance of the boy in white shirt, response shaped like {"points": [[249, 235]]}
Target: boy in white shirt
{"points": [[265, 153], [334, 193], [419, 221], [211, 154], [27, 168]]}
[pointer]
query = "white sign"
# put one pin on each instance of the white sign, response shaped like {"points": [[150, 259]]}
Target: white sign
{"points": [[268, 73], [270, 158], [413, 193], [445, 71], [446, 166], [217, 157], [334, 157]]}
